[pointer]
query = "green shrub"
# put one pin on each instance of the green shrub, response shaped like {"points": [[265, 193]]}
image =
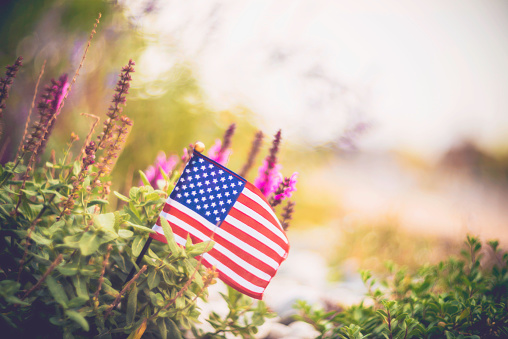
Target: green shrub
{"points": [[457, 298], [64, 258]]}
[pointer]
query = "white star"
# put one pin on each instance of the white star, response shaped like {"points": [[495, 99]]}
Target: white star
{"points": [[235, 191], [210, 166], [230, 177], [223, 210], [201, 160], [195, 169], [211, 197], [240, 183], [225, 186], [221, 171], [215, 212], [208, 189], [226, 194], [203, 167], [178, 195], [198, 207], [233, 184], [229, 201], [219, 195], [196, 200], [189, 177], [200, 184], [197, 176], [189, 201], [182, 179], [207, 182], [192, 185], [213, 204], [214, 181], [221, 202], [206, 206], [203, 198], [193, 193], [186, 194], [217, 188], [213, 174], [207, 213], [193, 162], [201, 191], [222, 179], [205, 175], [184, 187], [177, 188], [217, 219], [187, 170]]}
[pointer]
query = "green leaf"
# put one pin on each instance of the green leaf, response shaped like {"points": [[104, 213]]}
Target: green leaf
{"points": [[153, 279], [137, 245], [141, 228], [98, 202], [144, 179], [76, 167], [125, 234], [161, 325], [39, 239], [106, 221], [152, 196], [78, 318], [57, 291], [133, 193], [168, 233], [121, 196], [132, 305], [173, 331], [464, 314], [89, 243], [201, 248]]}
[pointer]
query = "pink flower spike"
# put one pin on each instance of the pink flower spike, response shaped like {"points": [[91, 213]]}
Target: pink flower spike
{"points": [[215, 153], [268, 184]]}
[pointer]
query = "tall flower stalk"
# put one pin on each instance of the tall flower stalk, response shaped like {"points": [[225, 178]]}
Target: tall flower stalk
{"points": [[221, 151], [254, 150], [115, 109], [268, 178], [6, 82]]}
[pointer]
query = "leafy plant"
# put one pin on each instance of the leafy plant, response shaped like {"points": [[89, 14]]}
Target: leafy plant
{"points": [[65, 257], [457, 298]]}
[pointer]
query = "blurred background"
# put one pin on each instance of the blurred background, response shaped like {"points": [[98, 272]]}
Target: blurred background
{"points": [[395, 114]]}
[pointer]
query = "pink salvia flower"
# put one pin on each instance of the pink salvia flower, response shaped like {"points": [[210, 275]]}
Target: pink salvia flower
{"points": [[215, 153], [153, 173], [290, 187], [268, 179]]}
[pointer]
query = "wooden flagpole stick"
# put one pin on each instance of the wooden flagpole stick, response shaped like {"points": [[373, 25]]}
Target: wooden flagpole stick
{"points": [[198, 146]]}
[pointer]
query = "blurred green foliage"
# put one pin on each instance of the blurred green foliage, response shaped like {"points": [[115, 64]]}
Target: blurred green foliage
{"points": [[457, 298]]}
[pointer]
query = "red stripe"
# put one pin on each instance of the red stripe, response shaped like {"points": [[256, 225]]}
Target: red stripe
{"points": [[231, 282], [224, 242], [247, 220], [266, 205], [245, 237], [259, 209], [224, 259], [159, 237]]}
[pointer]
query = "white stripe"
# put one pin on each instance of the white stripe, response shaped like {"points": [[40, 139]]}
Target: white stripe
{"points": [[232, 274], [249, 194], [229, 237], [223, 268], [255, 234], [259, 218], [248, 267]]}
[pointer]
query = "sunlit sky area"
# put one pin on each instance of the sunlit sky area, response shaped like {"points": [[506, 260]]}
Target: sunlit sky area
{"points": [[425, 74]]}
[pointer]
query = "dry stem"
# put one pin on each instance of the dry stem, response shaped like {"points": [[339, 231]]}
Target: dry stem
{"points": [[50, 269]]}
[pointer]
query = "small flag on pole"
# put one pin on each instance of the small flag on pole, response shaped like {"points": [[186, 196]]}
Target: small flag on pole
{"points": [[250, 243]]}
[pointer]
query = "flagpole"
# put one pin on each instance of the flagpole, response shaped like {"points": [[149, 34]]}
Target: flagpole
{"points": [[198, 146], [138, 260]]}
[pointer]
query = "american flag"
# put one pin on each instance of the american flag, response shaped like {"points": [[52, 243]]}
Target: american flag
{"points": [[250, 243]]}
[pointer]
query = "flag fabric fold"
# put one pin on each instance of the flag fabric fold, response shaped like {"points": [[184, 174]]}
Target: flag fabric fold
{"points": [[210, 199]]}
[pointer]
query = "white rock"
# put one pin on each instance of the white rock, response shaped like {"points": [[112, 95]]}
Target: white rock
{"points": [[303, 330]]}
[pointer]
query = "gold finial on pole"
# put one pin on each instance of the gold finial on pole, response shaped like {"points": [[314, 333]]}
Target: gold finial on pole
{"points": [[199, 146]]}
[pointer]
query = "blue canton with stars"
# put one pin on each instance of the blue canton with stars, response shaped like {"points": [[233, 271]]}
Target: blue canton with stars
{"points": [[208, 188]]}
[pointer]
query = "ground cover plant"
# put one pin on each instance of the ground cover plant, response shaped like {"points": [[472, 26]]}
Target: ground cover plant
{"points": [[65, 253], [465, 297]]}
